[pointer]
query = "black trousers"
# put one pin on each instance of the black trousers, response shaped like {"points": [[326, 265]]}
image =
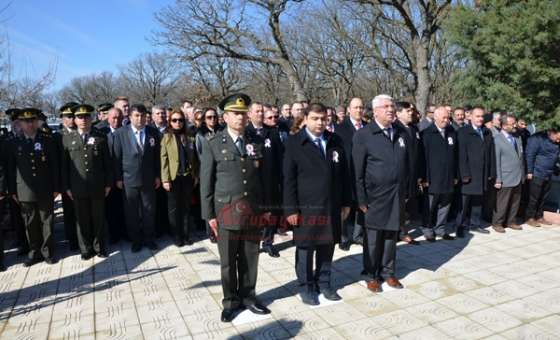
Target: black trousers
{"points": [[162, 212], [538, 191], [239, 259], [380, 252], [471, 211], [178, 204], [38, 220], [90, 218], [319, 277], [3, 209], [114, 214], [507, 204], [70, 231], [436, 213], [140, 204], [352, 227]]}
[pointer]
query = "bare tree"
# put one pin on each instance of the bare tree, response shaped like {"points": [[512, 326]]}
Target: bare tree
{"points": [[248, 30], [92, 89], [219, 76], [150, 79]]}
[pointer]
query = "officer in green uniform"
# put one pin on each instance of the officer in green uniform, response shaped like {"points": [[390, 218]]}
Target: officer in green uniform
{"points": [[232, 192], [33, 181], [67, 126], [86, 179]]}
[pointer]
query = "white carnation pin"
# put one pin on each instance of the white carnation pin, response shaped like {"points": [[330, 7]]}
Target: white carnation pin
{"points": [[401, 142], [91, 141], [267, 143], [152, 141], [38, 146], [250, 149], [335, 157], [450, 140]]}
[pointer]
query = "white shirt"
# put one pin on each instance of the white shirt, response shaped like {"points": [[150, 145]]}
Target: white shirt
{"points": [[321, 137], [140, 135], [388, 127], [354, 122]]}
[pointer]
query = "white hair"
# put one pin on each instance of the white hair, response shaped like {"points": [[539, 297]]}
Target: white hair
{"points": [[376, 101]]}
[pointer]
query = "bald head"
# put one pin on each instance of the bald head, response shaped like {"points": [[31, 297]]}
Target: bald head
{"points": [[441, 117]]}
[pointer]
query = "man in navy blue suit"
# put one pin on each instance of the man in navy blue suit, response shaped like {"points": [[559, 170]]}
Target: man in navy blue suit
{"points": [[137, 167]]}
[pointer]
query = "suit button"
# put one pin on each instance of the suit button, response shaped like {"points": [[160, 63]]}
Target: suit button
{"points": [[85, 155], [32, 168], [87, 170], [85, 162], [34, 175], [243, 170], [32, 161], [245, 193], [244, 181], [242, 159]]}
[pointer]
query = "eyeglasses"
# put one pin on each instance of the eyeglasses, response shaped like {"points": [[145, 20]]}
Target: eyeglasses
{"points": [[178, 120], [273, 117]]}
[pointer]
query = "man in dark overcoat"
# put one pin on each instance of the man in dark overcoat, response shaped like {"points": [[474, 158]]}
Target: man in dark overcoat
{"points": [[476, 168], [317, 198], [381, 158], [440, 154]]}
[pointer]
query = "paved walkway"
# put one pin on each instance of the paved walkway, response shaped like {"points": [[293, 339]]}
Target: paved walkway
{"points": [[487, 286]]}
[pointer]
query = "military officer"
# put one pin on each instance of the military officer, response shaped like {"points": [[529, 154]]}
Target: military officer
{"points": [[68, 126], [33, 181], [232, 189], [86, 179], [103, 111]]}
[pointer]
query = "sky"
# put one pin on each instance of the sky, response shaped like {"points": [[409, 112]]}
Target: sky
{"points": [[79, 37]]}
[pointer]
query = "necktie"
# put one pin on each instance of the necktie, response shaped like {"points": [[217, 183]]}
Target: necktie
{"points": [[239, 145], [139, 140], [513, 143], [84, 138], [479, 131], [317, 142], [389, 133], [358, 125]]}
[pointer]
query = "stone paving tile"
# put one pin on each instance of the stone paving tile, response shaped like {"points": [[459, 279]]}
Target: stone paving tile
{"points": [[496, 286]]}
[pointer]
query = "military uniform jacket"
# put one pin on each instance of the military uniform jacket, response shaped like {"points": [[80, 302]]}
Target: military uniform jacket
{"points": [[86, 165], [33, 168], [316, 187], [382, 173], [231, 184]]}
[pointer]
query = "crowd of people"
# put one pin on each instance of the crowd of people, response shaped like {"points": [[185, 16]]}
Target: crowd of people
{"points": [[247, 171]]}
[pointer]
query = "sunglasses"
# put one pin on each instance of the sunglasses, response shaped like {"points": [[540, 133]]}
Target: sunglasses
{"points": [[273, 117], [211, 117], [178, 120]]}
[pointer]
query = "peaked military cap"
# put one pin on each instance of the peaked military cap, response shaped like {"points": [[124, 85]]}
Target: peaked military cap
{"points": [[66, 109], [238, 102], [83, 110], [13, 113], [104, 107], [29, 113]]}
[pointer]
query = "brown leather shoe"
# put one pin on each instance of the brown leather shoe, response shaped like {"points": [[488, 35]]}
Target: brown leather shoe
{"points": [[542, 221], [533, 223], [393, 282], [374, 286], [498, 228], [515, 227]]}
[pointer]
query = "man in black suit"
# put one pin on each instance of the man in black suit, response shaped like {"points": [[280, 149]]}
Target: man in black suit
{"points": [[137, 166], [159, 122], [352, 230], [114, 202], [476, 168], [3, 194], [404, 121], [458, 118], [272, 169], [317, 199], [380, 156], [440, 154]]}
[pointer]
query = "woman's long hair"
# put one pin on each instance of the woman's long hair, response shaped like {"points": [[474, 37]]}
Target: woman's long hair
{"points": [[183, 132]]}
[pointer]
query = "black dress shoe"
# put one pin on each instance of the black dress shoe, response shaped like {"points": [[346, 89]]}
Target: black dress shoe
{"points": [[87, 256], [2, 268], [359, 241], [152, 245], [447, 237], [228, 315], [74, 247], [30, 262], [179, 243], [189, 242], [135, 248], [257, 308], [50, 260], [431, 239], [460, 232], [103, 255], [271, 251], [331, 294], [309, 298], [344, 246], [480, 230]]}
